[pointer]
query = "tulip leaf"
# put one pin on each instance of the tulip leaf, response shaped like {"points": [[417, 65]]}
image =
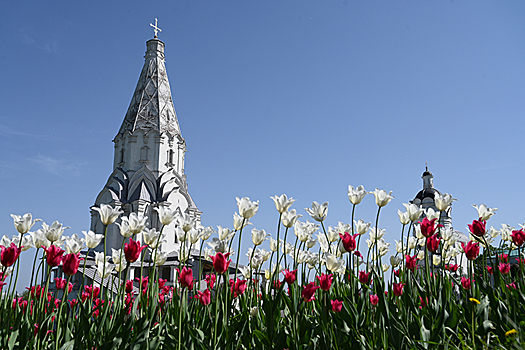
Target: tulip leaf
{"points": [[68, 346], [263, 338], [13, 336]]}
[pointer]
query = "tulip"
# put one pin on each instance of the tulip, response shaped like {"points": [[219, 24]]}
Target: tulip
{"points": [[210, 280], [166, 215], [290, 276], [411, 262], [308, 293], [258, 236], [204, 297], [413, 211], [289, 218], [220, 262], [504, 268], [364, 277], [132, 250], [238, 287], [466, 283], [356, 195], [70, 264], [124, 229], [518, 237], [452, 268], [427, 227], [374, 299], [325, 281], [484, 213], [282, 203], [247, 208], [403, 217], [136, 223], [92, 239], [348, 241], [477, 228], [108, 214], [9, 255], [490, 270], [336, 305], [54, 255], [186, 278], [23, 223], [443, 201], [471, 250], [397, 288], [129, 286], [74, 244], [382, 198], [318, 212], [504, 257], [60, 283], [511, 285], [433, 243], [54, 232]]}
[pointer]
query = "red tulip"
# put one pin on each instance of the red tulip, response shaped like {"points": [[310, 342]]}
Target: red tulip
{"points": [[337, 305], [210, 280], [162, 282], [348, 241], [374, 299], [471, 250], [477, 228], [129, 286], [325, 281], [452, 268], [220, 262], [511, 285], [290, 276], [54, 255], [186, 278], [411, 262], [518, 237], [204, 297], [397, 288], [70, 264], [308, 293], [466, 283], [132, 250], [489, 269], [364, 277], [427, 227], [504, 258], [504, 268], [9, 255], [60, 283], [238, 287], [433, 243]]}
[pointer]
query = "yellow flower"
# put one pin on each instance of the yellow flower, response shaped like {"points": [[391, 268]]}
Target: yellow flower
{"points": [[474, 300], [512, 331]]}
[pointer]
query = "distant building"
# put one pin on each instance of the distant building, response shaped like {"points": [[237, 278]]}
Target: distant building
{"points": [[425, 199]]}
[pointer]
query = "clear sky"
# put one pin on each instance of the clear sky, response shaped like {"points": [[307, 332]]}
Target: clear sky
{"points": [[299, 97]]}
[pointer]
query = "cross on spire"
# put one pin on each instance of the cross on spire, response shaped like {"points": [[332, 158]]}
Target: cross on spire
{"points": [[155, 28]]}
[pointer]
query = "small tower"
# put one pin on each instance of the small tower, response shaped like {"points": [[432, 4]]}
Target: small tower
{"points": [[426, 198], [148, 166]]}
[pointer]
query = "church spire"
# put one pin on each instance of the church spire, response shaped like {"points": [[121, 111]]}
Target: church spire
{"points": [[151, 106]]}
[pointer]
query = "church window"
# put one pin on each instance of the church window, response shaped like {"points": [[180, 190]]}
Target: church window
{"points": [[170, 157], [122, 155]]}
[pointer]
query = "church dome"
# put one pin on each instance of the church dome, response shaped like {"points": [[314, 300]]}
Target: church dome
{"points": [[426, 193]]}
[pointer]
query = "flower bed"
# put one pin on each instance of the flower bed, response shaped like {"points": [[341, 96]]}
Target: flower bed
{"points": [[434, 294]]}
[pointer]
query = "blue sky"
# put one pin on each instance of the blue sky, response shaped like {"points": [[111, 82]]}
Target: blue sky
{"points": [[296, 97]]}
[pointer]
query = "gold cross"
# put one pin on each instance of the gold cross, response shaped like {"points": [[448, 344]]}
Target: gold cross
{"points": [[155, 28]]}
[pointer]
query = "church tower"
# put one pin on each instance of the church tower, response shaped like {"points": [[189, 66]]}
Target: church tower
{"points": [[148, 166]]}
